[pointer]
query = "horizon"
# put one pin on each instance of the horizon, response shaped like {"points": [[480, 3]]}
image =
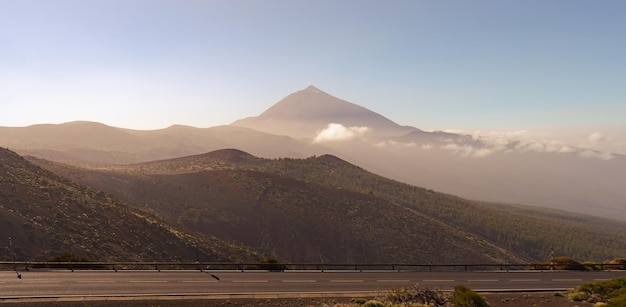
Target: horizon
{"points": [[552, 71]]}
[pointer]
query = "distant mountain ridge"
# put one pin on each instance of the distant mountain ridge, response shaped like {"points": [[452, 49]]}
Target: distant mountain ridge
{"points": [[91, 143]]}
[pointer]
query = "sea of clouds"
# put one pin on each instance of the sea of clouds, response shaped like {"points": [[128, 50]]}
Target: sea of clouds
{"points": [[484, 143]]}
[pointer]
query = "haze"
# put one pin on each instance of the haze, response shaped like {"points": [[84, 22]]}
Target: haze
{"points": [[549, 71]]}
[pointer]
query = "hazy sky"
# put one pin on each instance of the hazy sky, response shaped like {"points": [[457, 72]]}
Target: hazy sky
{"points": [[548, 66]]}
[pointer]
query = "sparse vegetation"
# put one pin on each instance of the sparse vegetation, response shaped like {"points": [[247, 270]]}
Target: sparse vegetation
{"points": [[77, 262], [269, 264], [465, 297], [283, 207], [567, 263], [373, 303], [415, 294], [527, 231], [420, 296], [47, 214], [615, 264], [560, 263], [611, 292], [358, 301]]}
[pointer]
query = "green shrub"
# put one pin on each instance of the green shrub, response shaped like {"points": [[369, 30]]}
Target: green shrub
{"points": [[615, 264], [619, 301], [358, 301], [618, 292], [605, 291], [465, 297], [604, 288], [577, 296], [566, 263]]}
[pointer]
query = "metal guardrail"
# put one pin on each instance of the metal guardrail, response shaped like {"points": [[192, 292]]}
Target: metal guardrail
{"points": [[126, 265]]}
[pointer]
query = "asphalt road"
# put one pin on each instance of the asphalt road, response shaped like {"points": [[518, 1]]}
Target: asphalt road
{"points": [[56, 284]]}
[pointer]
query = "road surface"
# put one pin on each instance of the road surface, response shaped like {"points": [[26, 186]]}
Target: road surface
{"points": [[58, 284]]}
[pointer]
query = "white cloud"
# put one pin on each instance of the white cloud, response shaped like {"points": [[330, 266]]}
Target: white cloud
{"points": [[596, 154], [524, 141], [566, 149], [338, 133], [597, 138], [396, 144], [467, 150]]}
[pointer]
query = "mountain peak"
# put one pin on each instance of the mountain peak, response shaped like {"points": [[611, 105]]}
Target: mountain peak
{"points": [[312, 89], [306, 112]]}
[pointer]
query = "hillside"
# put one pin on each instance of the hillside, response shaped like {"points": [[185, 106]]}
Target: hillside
{"points": [[304, 209], [503, 168], [45, 215]]}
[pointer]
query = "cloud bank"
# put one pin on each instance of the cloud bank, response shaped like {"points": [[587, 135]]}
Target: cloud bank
{"points": [[479, 144], [522, 141], [339, 133]]}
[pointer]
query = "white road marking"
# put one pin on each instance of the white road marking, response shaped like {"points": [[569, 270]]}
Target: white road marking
{"points": [[250, 281], [482, 280], [568, 279], [148, 281], [41, 282], [199, 281], [393, 280], [438, 280], [347, 280], [299, 280], [95, 281], [522, 280]]}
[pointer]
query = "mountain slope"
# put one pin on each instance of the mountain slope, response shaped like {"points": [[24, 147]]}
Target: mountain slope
{"points": [[303, 113], [290, 219], [45, 214], [301, 209]]}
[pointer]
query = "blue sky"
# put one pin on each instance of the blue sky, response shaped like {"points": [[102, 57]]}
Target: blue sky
{"points": [[551, 66]]}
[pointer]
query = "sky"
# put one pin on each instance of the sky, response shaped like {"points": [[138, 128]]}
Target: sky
{"points": [[544, 69]]}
